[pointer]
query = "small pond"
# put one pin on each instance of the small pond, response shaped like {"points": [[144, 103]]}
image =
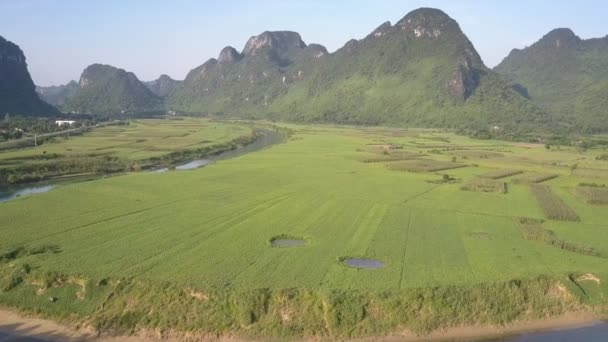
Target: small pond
{"points": [[364, 263]]}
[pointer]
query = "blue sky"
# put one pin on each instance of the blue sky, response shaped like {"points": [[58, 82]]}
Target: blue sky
{"points": [[150, 37]]}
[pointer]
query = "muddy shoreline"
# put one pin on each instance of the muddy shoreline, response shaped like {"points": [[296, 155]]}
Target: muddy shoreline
{"points": [[15, 326]]}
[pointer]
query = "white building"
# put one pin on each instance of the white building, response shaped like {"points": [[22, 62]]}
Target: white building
{"points": [[64, 122]]}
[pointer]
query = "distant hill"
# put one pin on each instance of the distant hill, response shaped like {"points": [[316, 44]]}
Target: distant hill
{"points": [[17, 90], [421, 71], [163, 86], [57, 95], [566, 75], [107, 90]]}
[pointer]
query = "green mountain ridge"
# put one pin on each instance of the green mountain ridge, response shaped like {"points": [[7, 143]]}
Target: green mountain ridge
{"points": [[107, 90], [566, 75], [57, 95], [422, 71], [17, 90], [163, 86]]}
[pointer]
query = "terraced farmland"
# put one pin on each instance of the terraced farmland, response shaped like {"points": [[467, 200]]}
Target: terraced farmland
{"points": [[197, 244]]}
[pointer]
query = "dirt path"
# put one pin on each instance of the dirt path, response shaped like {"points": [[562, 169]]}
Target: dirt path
{"points": [[15, 328]]}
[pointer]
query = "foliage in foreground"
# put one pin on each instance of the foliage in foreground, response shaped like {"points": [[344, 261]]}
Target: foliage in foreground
{"points": [[124, 306]]}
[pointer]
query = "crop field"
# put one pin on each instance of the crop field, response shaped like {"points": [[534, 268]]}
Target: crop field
{"points": [[552, 205], [128, 245], [535, 178], [593, 194], [498, 174], [485, 185], [138, 140], [139, 145]]}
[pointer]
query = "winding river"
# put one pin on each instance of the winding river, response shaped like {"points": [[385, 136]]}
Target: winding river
{"points": [[266, 139]]}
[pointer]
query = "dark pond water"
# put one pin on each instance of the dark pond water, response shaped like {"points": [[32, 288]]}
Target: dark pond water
{"points": [[363, 263], [287, 242], [595, 333]]}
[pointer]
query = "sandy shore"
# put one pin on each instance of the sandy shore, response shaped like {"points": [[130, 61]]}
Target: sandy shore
{"points": [[15, 325], [567, 321]]}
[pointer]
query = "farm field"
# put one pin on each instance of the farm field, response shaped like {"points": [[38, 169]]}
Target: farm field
{"points": [[120, 148], [138, 140], [432, 214]]}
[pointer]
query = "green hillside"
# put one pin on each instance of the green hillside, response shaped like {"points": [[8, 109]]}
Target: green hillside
{"points": [[566, 75], [107, 90], [422, 71], [57, 95]]}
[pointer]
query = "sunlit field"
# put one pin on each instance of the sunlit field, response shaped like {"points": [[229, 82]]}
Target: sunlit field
{"points": [[436, 209]]}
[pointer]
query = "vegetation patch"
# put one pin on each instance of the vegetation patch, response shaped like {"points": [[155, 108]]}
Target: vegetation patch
{"points": [[553, 207], [485, 185], [535, 178], [123, 306], [498, 174], [533, 230], [424, 165], [283, 241], [478, 154], [481, 236], [593, 194], [12, 253], [393, 156]]}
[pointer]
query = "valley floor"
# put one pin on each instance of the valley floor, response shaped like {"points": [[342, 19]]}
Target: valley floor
{"points": [[468, 233]]}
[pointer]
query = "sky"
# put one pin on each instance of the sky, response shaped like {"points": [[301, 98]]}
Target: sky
{"points": [[152, 37]]}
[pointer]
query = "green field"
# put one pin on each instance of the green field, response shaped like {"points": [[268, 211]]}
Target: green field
{"points": [[138, 140], [118, 148], [142, 250]]}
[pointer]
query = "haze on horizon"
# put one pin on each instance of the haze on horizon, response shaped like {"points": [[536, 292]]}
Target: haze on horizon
{"points": [[61, 37]]}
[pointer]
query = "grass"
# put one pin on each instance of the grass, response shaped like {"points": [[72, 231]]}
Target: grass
{"points": [[424, 165], [498, 174], [189, 250], [485, 185], [535, 178]]}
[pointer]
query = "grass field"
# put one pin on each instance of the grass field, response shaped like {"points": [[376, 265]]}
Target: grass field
{"points": [[140, 144], [139, 140], [184, 241]]}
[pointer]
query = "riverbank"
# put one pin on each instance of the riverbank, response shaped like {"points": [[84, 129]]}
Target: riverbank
{"points": [[257, 140], [14, 325]]}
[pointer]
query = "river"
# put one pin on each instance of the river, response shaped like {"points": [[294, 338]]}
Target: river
{"points": [[597, 332], [266, 139]]}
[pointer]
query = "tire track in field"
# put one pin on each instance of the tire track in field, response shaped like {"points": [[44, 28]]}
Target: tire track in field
{"points": [[421, 194], [105, 220], [221, 221], [149, 231], [407, 235]]}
